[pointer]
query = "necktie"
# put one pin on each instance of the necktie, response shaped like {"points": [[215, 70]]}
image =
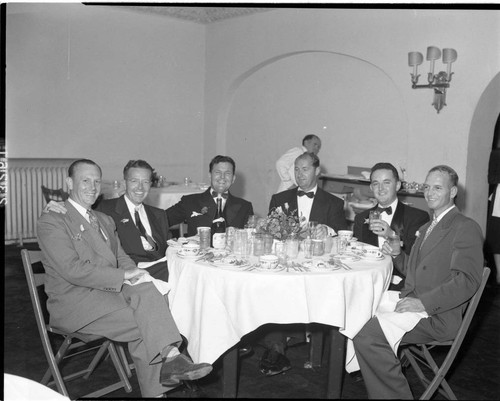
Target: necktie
{"points": [[388, 210], [143, 231], [308, 194], [219, 206], [429, 229], [215, 194], [94, 223]]}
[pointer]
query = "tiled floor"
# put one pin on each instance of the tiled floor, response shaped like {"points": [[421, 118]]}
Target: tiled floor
{"points": [[475, 375]]}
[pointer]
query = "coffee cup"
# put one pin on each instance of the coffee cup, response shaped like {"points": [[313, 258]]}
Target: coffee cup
{"points": [[191, 249], [268, 261]]}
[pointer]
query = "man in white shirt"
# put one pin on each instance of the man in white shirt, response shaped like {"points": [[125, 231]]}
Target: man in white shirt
{"points": [[285, 164]]}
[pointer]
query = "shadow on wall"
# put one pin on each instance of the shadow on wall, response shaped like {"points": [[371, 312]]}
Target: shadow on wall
{"points": [[341, 98]]}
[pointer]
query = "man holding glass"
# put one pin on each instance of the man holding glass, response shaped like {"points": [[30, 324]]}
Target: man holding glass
{"points": [[313, 204], [443, 272], [393, 220]]}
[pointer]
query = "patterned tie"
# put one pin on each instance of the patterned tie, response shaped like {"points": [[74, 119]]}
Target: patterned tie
{"points": [[94, 223], [143, 231], [429, 229], [308, 194]]}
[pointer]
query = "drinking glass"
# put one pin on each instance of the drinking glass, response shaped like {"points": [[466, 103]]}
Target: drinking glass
{"points": [[258, 244], [240, 242], [204, 233], [395, 243], [292, 247], [311, 227], [318, 247], [268, 243], [374, 215], [307, 245], [280, 251]]}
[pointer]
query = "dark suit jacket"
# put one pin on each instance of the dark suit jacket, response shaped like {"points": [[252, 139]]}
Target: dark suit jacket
{"points": [[130, 236], [236, 211], [326, 208], [84, 273], [406, 222], [445, 273]]}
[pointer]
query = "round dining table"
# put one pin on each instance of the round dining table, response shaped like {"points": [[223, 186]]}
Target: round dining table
{"points": [[215, 303]]}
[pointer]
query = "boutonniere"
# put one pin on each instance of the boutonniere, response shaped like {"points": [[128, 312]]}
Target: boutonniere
{"points": [[124, 221], [417, 234], [78, 237], [82, 228], [203, 211], [367, 221]]}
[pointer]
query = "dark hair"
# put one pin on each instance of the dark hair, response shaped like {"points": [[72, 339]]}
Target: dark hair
{"points": [[74, 165], [447, 170], [309, 155], [137, 164], [222, 159], [308, 138], [385, 166]]}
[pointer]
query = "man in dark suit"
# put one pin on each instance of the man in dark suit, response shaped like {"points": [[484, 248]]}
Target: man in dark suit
{"points": [[312, 204], [395, 216], [143, 238], [198, 210], [443, 271], [94, 287]]}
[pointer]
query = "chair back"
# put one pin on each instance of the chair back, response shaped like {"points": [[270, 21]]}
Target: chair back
{"points": [[57, 195]]}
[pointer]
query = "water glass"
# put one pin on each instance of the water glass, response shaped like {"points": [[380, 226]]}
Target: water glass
{"points": [[307, 245], [311, 227], [292, 247], [204, 233], [374, 215], [318, 247], [328, 243], [258, 244], [240, 244], [230, 238], [280, 251], [342, 244], [268, 243]]}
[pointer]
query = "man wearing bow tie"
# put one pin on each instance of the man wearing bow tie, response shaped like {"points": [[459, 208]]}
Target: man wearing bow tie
{"points": [[313, 204], [198, 210], [395, 216]]}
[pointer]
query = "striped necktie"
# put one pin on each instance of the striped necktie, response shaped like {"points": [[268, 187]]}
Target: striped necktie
{"points": [[143, 231], [429, 230]]}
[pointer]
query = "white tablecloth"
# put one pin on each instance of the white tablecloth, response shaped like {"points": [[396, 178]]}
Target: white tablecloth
{"points": [[215, 307], [165, 197]]}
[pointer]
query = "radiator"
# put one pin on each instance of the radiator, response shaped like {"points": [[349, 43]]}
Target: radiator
{"points": [[25, 200]]}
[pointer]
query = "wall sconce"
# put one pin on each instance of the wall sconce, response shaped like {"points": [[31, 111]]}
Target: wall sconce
{"points": [[440, 81]]}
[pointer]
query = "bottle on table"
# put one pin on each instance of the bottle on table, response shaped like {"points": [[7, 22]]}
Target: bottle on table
{"points": [[218, 228]]}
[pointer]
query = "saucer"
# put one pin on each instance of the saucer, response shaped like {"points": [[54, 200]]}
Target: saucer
{"points": [[182, 254], [372, 254]]}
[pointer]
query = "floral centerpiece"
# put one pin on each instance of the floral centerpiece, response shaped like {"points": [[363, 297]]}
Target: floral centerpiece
{"points": [[281, 224]]}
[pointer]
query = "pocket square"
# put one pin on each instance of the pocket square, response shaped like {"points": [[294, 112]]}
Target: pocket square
{"points": [[124, 221], [194, 214]]}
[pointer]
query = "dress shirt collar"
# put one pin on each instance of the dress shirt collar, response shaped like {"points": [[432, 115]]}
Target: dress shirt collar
{"points": [[438, 218], [304, 203], [393, 206], [132, 207], [222, 199], [79, 208]]}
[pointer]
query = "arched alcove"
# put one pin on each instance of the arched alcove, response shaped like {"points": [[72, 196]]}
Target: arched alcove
{"points": [[270, 107], [479, 148]]}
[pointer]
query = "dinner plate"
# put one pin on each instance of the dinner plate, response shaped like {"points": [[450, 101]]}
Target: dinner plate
{"points": [[182, 254], [260, 268], [318, 264], [230, 261], [347, 257]]}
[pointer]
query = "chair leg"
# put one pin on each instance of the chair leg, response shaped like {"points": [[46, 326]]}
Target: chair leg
{"points": [[63, 349], [97, 358], [438, 381], [117, 361], [123, 357]]}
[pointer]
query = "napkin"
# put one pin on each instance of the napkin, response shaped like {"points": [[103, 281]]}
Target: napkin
{"points": [[145, 265], [162, 286], [394, 324]]}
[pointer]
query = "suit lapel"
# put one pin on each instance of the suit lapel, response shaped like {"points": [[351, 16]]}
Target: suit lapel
{"points": [[397, 222], [440, 230], [293, 205], [317, 205], [96, 242]]}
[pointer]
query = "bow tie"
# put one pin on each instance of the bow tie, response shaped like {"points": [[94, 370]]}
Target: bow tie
{"points": [[215, 194], [388, 210], [308, 194]]}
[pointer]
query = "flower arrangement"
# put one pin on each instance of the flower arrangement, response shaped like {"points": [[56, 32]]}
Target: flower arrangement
{"points": [[280, 223]]}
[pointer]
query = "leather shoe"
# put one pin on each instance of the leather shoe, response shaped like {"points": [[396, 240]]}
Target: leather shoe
{"points": [[273, 363], [180, 367]]}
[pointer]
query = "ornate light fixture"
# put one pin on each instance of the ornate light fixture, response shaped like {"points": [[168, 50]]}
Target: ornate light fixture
{"points": [[440, 81]]}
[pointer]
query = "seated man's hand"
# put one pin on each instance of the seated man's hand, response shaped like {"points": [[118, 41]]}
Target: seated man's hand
{"points": [[387, 249], [134, 274], [409, 305], [54, 206], [381, 228]]}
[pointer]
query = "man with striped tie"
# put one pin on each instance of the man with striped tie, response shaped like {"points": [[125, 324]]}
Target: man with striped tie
{"points": [[443, 271]]}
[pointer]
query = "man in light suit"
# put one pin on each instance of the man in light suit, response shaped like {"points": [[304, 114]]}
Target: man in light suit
{"points": [[198, 210], [443, 271], [395, 216], [93, 287], [149, 242], [312, 204]]}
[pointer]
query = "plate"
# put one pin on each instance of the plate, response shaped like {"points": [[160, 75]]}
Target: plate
{"points": [[229, 261], [347, 257], [182, 254], [318, 264], [260, 268]]}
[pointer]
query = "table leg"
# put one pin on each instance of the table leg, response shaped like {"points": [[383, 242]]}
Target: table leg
{"points": [[230, 373], [336, 364], [316, 345]]}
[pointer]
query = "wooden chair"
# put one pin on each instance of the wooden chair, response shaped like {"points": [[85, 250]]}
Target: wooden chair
{"points": [[420, 353], [57, 195], [71, 341]]}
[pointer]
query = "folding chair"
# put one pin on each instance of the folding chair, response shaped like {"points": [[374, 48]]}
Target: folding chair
{"points": [[420, 353], [71, 341], [57, 195]]}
